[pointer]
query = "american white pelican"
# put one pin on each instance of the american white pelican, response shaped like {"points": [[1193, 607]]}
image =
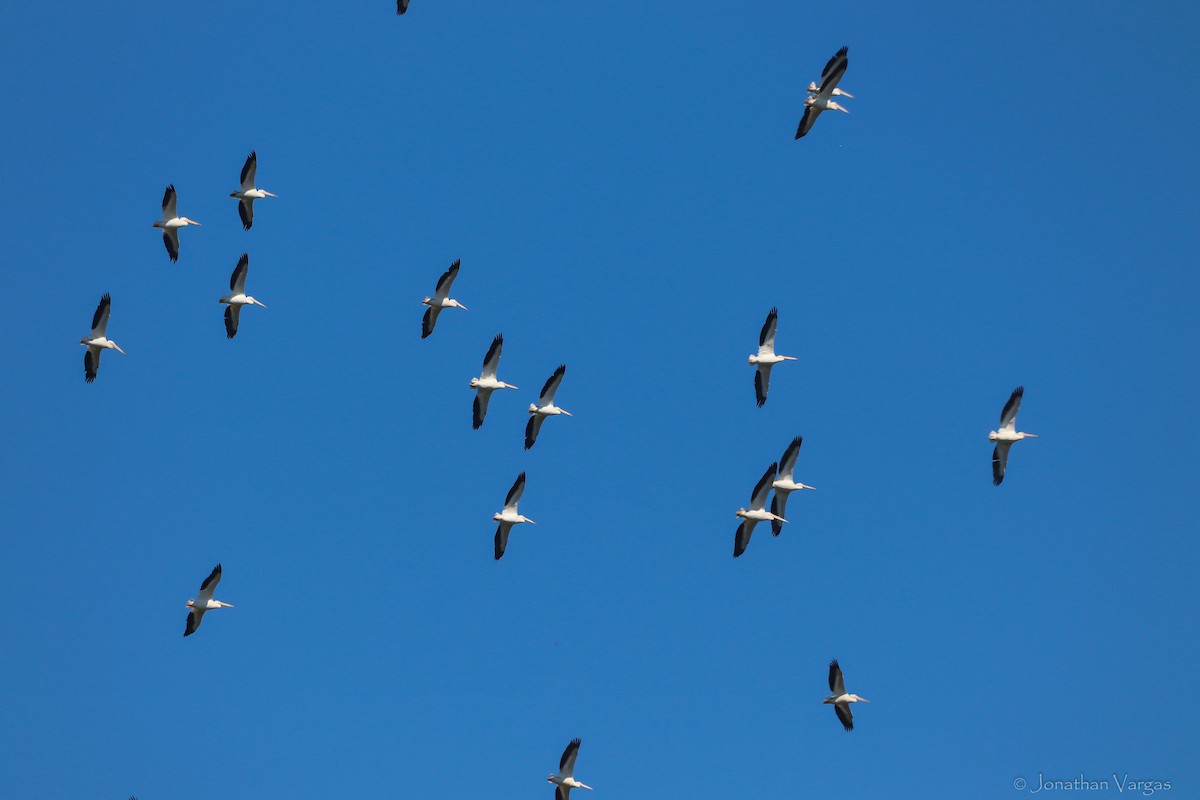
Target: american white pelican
{"points": [[508, 516], [237, 296], [401, 6], [544, 407], [839, 699], [821, 97], [1007, 434], [440, 300], [486, 383], [97, 341], [784, 485], [565, 781], [171, 223], [757, 512], [766, 357], [204, 601], [248, 193]]}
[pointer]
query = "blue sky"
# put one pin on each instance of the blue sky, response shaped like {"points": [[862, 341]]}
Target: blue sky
{"points": [[1011, 201]]}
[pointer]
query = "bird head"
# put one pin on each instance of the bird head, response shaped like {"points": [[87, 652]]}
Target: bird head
{"points": [[254, 302], [113, 346], [457, 304]]}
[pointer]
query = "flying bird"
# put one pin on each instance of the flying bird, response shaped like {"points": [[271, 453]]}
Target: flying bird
{"points": [[544, 407], [508, 516], [440, 300], [784, 485], [486, 383], [248, 193], [204, 601], [766, 357], [401, 6], [757, 512], [171, 222], [237, 296], [564, 781], [821, 97], [1007, 434], [839, 699], [97, 341]]}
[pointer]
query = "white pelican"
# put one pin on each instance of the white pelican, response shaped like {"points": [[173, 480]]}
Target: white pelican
{"points": [[237, 296], [757, 512], [248, 193], [486, 383], [97, 341], [1007, 434], [171, 223], [204, 601], [766, 357], [440, 300], [565, 781], [821, 97], [401, 6], [784, 485], [839, 699], [508, 516], [544, 407]]}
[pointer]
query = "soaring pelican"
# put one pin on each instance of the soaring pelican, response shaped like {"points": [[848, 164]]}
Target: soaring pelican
{"points": [[766, 357], [544, 407], [821, 97], [839, 699], [565, 781], [1007, 434], [248, 194], [204, 601], [401, 6], [237, 296], [97, 341], [757, 512], [440, 300], [784, 485], [171, 223], [508, 516], [486, 383]]}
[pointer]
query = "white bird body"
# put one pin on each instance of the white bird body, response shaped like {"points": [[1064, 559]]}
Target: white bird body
{"points": [[784, 484], [756, 513], [440, 299], [1006, 435], [237, 296], [204, 601], [487, 382], [171, 222], [508, 516], [545, 407], [765, 358], [821, 96], [839, 698], [564, 780], [249, 192], [97, 341]]}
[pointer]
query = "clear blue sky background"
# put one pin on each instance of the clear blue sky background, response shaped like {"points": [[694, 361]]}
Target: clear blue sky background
{"points": [[1011, 201]]}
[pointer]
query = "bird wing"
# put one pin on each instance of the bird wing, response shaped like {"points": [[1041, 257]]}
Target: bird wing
{"points": [[766, 337], [1008, 417], [491, 362], [787, 464], [758, 500], [479, 407], [552, 384], [808, 120], [171, 240], [843, 713], [91, 363], [514, 494], [741, 539], [836, 684], [401, 6], [762, 383], [999, 462], [429, 320], [248, 170], [246, 212], [566, 764], [195, 615], [778, 507], [232, 315], [237, 281], [531, 429], [210, 584], [502, 538], [562, 792], [169, 203], [100, 318], [444, 282], [833, 72]]}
